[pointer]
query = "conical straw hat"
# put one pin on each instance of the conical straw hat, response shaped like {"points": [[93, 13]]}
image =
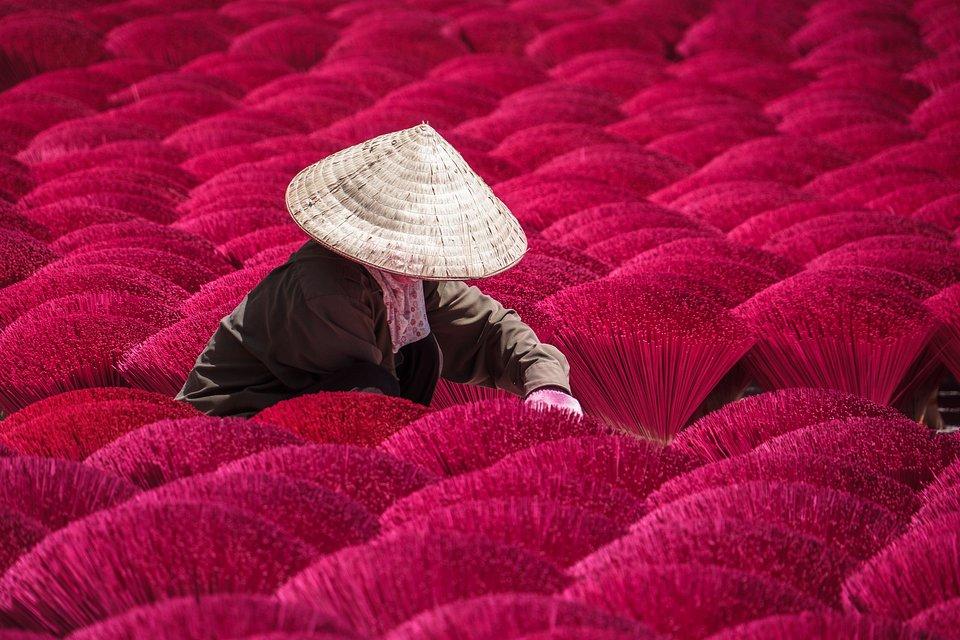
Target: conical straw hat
{"points": [[408, 203]]}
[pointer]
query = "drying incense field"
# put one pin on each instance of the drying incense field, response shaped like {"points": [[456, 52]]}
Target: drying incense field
{"points": [[719, 195]]}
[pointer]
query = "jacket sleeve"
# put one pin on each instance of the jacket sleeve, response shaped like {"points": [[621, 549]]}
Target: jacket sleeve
{"points": [[485, 344]]}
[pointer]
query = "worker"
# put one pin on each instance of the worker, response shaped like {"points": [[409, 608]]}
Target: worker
{"points": [[375, 300]]}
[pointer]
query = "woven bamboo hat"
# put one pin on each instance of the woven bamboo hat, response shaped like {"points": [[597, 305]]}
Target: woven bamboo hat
{"points": [[408, 203]]}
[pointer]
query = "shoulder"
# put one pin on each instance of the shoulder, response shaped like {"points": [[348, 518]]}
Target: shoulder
{"points": [[318, 272], [443, 286], [453, 294]]}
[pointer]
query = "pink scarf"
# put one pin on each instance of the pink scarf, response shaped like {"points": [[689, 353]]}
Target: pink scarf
{"points": [[406, 308]]}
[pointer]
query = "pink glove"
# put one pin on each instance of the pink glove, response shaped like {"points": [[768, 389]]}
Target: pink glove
{"points": [[553, 399]]}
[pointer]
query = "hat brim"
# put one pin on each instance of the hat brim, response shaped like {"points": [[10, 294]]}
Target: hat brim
{"points": [[407, 203]]}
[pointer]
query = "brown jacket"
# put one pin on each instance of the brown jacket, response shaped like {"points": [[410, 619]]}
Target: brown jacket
{"points": [[319, 312]]}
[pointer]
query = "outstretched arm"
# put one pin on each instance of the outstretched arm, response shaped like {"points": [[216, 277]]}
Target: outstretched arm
{"points": [[486, 344]]}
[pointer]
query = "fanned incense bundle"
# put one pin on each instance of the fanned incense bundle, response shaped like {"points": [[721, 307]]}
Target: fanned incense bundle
{"points": [[806, 240], [167, 39], [911, 575], [469, 437], [536, 276], [818, 331], [133, 233], [215, 616], [827, 625], [376, 586], [840, 520], [234, 127], [137, 554], [740, 281], [931, 260], [688, 601], [898, 448], [170, 449], [455, 99], [53, 282], [534, 146], [79, 134], [211, 163], [722, 248], [646, 367], [757, 230], [164, 191], [167, 113], [19, 223], [413, 48], [110, 153], [563, 42], [364, 419], [576, 633], [66, 216], [324, 519], [513, 616], [73, 428], [189, 274], [561, 533], [702, 143], [492, 30], [624, 165], [779, 465], [789, 160], [883, 277], [502, 74], [568, 106], [940, 212], [71, 44], [33, 112], [741, 426], [48, 408], [729, 203], [684, 91], [297, 41], [371, 477], [621, 248], [938, 109], [863, 141], [594, 224], [558, 196], [758, 548], [222, 226], [72, 343], [631, 464], [84, 85], [503, 481]]}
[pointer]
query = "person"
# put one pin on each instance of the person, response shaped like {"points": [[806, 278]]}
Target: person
{"points": [[375, 300]]}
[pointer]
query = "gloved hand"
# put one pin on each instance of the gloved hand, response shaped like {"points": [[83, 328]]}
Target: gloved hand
{"points": [[554, 399]]}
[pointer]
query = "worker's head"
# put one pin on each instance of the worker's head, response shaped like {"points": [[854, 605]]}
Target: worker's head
{"points": [[407, 203]]}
